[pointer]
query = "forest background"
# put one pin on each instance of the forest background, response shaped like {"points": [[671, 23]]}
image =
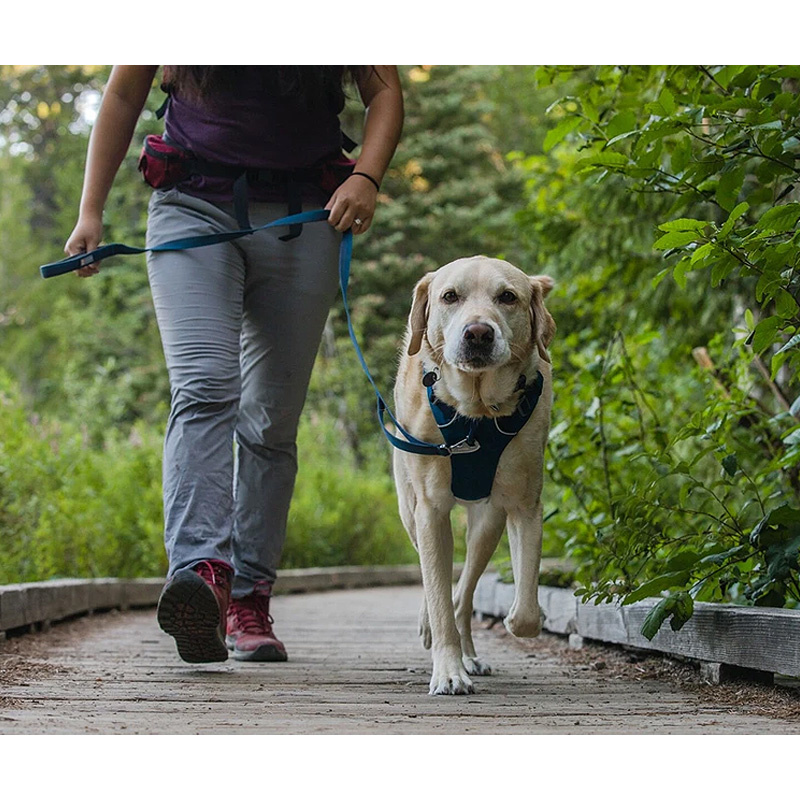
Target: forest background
{"points": [[664, 202]]}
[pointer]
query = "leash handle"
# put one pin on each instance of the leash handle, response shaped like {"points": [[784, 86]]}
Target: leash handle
{"points": [[85, 259]]}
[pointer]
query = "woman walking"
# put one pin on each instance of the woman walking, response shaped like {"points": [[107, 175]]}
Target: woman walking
{"points": [[240, 322]]}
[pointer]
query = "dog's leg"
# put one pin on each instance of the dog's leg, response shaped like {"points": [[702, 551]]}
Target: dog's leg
{"points": [[525, 539], [435, 541], [485, 524], [424, 628]]}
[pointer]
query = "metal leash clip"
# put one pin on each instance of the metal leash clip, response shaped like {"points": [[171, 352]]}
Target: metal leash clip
{"points": [[464, 446]]}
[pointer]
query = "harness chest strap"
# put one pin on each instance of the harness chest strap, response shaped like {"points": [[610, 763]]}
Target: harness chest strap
{"points": [[475, 445]]}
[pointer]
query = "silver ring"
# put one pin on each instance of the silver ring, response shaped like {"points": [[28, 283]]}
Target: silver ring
{"points": [[358, 221]]}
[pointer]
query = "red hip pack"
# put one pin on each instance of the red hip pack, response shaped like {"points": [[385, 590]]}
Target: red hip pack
{"points": [[164, 164]]}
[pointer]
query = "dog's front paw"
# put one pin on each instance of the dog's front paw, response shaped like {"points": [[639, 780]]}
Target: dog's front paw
{"points": [[451, 684], [450, 677], [525, 625], [476, 666]]}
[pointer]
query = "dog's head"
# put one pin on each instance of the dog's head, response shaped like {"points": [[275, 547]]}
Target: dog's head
{"points": [[481, 313]]}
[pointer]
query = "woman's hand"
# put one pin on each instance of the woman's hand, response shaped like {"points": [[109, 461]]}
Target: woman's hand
{"points": [[86, 236], [352, 205]]}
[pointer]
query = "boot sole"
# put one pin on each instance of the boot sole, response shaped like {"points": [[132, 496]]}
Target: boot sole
{"points": [[188, 611]]}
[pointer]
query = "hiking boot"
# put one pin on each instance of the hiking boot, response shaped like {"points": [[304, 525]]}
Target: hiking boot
{"points": [[250, 635], [193, 607]]}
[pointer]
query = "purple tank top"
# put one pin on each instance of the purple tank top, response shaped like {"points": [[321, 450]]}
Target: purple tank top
{"points": [[254, 127]]}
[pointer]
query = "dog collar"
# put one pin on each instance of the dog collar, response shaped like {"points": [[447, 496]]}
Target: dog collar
{"points": [[476, 444]]}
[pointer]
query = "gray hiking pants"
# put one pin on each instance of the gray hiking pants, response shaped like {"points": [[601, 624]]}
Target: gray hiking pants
{"points": [[240, 325]]}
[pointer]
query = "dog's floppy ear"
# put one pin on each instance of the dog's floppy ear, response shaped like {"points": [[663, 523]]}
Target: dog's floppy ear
{"points": [[418, 318], [543, 326]]}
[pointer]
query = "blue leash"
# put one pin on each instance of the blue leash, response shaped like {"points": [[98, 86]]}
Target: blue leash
{"points": [[412, 445]]}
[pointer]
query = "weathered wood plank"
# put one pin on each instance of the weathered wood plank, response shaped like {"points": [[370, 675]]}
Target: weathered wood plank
{"points": [[766, 639], [32, 603]]}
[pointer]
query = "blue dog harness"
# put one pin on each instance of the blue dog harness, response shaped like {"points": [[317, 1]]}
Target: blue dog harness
{"points": [[476, 445]]}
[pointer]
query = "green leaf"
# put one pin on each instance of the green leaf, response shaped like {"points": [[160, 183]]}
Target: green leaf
{"points": [[604, 159], [655, 619], [765, 333], [681, 155], [722, 268], [667, 101], [654, 587], [682, 610], [676, 239], [737, 212], [679, 273], [703, 251], [780, 218], [785, 304], [728, 188], [730, 464], [555, 135], [720, 557], [683, 560], [622, 123], [684, 224]]}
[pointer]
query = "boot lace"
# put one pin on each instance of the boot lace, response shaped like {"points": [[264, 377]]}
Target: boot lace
{"points": [[214, 572], [252, 614]]}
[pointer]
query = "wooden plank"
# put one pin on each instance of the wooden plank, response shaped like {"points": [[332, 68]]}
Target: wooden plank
{"points": [[765, 639], [32, 603], [315, 580]]}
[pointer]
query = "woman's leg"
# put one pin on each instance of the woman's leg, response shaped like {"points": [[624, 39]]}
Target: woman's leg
{"points": [[288, 292], [198, 301]]}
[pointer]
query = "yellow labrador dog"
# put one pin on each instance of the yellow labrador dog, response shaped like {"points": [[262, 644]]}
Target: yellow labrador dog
{"points": [[476, 349]]}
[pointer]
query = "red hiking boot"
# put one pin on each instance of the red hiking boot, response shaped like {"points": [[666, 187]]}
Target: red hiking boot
{"points": [[193, 607], [250, 635]]}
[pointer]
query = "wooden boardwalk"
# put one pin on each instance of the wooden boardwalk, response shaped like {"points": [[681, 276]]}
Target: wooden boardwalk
{"points": [[356, 666]]}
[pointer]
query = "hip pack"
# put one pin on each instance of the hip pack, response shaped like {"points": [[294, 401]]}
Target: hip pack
{"points": [[165, 164]]}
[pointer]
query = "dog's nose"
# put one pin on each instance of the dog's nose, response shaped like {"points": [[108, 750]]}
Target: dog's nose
{"points": [[479, 333]]}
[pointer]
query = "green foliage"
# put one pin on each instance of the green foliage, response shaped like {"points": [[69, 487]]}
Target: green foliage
{"points": [[668, 472], [70, 509], [342, 514]]}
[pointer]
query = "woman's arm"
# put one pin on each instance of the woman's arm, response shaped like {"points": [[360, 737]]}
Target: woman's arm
{"points": [[123, 100], [382, 96]]}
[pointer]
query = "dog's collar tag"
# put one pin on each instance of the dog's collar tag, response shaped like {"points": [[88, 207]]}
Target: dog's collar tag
{"points": [[429, 378]]}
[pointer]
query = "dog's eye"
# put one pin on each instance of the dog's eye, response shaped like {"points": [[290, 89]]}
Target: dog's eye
{"points": [[507, 298], [450, 297]]}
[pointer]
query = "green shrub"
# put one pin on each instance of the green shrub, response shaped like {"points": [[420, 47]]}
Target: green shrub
{"points": [[68, 509]]}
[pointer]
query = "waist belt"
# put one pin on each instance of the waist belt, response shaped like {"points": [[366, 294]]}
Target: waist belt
{"points": [[290, 182]]}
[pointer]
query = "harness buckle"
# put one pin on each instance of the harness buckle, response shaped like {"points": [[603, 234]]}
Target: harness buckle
{"points": [[464, 446]]}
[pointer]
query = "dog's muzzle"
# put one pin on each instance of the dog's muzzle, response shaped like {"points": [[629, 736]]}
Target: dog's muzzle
{"points": [[478, 346]]}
